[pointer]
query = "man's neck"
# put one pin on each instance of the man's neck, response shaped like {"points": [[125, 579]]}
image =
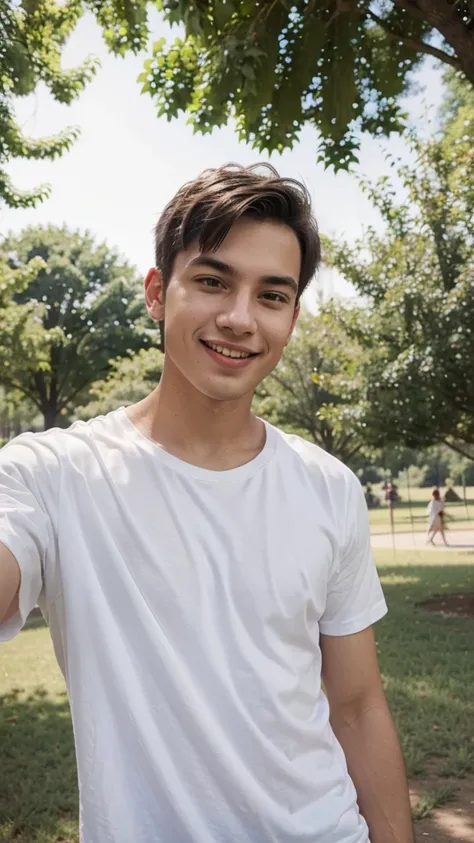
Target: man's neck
{"points": [[217, 435]]}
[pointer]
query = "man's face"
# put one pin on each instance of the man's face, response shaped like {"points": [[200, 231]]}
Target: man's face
{"points": [[229, 313]]}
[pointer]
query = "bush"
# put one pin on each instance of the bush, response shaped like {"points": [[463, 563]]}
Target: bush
{"points": [[372, 500], [416, 475], [451, 496], [370, 474]]}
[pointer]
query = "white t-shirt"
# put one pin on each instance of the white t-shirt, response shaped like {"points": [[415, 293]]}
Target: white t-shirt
{"points": [[185, 607], [434, 509]]}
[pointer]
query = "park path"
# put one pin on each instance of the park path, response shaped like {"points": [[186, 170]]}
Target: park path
{"points": [[451, 823], [458, 540]]}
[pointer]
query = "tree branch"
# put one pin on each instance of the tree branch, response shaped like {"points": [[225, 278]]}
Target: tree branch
{"points": [[412, 10], [68, 398], [354, 451], [21, 389], [413, 44], [301, 378], [458, 449], [284, 385], [346, 438]]}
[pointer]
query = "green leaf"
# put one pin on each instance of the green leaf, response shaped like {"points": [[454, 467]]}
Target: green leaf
{"points": [[339, 90], [265, 38], [304, 66], [223, 13]]}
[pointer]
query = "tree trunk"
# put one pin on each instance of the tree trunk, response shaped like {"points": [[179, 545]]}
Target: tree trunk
{"points": [[50, 416], [445, 17]]}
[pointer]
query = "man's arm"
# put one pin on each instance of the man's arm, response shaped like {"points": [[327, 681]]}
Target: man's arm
{"points": [[364, 727], [9, 584]]}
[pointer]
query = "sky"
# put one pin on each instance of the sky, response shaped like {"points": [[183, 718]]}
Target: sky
{"points": [[127, 163]]}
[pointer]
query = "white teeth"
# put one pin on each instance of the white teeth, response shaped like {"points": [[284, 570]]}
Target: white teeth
{"points": [[228, 352]]}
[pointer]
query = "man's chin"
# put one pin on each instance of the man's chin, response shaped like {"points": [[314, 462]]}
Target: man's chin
{"points": [[224, 397], [229, 392]]}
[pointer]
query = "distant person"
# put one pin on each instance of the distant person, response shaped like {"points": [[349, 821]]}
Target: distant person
{"points": [[435, 511], [204, 573], [390, 494]]}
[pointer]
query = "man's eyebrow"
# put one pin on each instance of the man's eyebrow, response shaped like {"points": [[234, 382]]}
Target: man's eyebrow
{"points": [[213, 263], [221, 266]]}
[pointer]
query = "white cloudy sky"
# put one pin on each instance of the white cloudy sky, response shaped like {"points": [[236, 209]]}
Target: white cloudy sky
{"points": [[127, 164]]}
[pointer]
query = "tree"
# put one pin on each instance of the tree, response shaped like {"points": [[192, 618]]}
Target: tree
{"points": [[315, 390], [80, 308], [32, 35], [339, 65], [14, 405], [130, 379], [457, 108], [17, 414], [417, 278]]}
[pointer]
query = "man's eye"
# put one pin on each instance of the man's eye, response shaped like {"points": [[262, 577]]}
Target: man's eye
{"points": [[276, 297], [209, 281]]}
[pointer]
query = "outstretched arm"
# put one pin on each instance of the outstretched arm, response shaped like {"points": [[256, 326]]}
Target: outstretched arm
{"points": [[364, 727]]}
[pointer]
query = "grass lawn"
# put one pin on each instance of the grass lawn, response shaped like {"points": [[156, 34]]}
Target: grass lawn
{"points": [[410, 513], [427, 659], [427, 662]]}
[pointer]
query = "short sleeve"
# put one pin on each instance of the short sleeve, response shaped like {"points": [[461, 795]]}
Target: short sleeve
{"points": [[25, 523], [354, 598]]}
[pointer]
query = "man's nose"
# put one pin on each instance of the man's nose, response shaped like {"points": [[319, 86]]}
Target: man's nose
{"points": [[238, 315]]}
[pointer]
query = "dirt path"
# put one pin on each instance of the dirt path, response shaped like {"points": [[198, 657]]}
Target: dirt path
{"points": [[458, 540], [451, 823]]}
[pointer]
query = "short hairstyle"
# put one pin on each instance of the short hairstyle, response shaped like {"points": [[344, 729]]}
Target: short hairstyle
{"points": [[206, 209]]}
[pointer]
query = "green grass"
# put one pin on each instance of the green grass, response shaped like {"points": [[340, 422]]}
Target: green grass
{"points": [[38, 789], [427, 661], [433, 799], [409, 516]]}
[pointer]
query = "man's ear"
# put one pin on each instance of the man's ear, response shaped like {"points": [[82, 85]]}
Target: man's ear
{"points": [[293, 323], [155, 295]]}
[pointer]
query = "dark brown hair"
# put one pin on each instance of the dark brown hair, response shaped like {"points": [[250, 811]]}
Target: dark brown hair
{"points": [[207, 208]]}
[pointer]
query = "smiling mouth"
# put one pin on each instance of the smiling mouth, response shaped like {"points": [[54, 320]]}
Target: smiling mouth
{"points": [[229, 352]]}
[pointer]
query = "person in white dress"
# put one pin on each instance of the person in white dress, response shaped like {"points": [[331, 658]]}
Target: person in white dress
{"points": [[435, 510]]}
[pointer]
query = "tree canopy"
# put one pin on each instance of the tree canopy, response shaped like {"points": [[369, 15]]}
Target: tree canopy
{"points": [[417, 279], [315, 391], [76, 307], [16, 414], [129, 380], [32, 36], [339, 65]]}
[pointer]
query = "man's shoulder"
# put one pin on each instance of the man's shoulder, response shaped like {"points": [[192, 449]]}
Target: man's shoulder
{"points": [[325, 482], [47, 449], [319, 463]]}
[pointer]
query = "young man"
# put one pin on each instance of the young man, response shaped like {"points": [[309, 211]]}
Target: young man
{"points": [[203, 572]]}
